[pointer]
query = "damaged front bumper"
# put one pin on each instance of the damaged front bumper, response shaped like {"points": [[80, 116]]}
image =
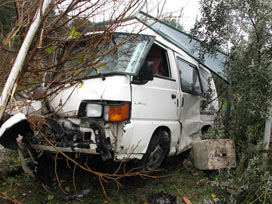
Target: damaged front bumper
{"points": [[62, 135]]}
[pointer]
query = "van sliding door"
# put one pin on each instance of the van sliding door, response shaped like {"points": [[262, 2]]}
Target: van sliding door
{"points": [[191, 92]]}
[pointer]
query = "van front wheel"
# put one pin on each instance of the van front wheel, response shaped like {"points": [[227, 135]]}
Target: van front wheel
{"points": [[157, 150]]}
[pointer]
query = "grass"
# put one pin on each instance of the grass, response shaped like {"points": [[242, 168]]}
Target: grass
{"points": [[176, 180]]}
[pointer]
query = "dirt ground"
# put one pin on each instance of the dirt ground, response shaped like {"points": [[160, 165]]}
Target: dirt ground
{"points": [[178, 180], [3, 157]]}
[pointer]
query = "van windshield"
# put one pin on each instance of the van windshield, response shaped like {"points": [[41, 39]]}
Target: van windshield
{"points": [[118, 54]]}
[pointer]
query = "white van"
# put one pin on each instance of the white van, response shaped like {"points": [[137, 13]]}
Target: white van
{"points": [[145, 104]]}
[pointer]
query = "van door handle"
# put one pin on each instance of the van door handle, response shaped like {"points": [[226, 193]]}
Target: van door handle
{"points": [[173, 96]]}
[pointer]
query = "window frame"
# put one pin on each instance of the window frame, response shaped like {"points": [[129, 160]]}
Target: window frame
{"points": [[167, 61], [193, 67]]}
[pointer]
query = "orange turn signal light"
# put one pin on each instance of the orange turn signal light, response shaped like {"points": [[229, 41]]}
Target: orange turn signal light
{"points": [[118, 112]]}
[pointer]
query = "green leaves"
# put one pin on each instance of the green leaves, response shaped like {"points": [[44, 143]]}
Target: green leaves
{"points": [[51, 49], [50, 197], [245, 27], [74, 34]]}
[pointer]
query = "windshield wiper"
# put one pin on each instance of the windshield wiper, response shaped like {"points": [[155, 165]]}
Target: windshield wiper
{"points": [[100, 74]]}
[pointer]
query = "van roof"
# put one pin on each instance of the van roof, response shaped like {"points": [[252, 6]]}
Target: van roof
{"points": [[190, 45]]}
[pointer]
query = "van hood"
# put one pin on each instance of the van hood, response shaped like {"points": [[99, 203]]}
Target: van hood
{"points": [[66, 102]]}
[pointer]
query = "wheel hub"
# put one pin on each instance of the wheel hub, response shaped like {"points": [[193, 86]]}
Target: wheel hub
{"points": [[154, 157]]}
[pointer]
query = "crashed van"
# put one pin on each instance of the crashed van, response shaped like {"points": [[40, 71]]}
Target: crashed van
{"points": [[144, 105]]}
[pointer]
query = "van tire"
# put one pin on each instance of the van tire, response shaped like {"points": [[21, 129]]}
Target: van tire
{"points": [[157, 150]]}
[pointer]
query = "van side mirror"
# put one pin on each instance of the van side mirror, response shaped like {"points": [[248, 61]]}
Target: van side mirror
{"points": [[146, 71], [145, 74]]}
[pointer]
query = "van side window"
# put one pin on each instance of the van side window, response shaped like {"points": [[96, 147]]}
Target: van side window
{"points": [[158, 56], [189, 77], [206, 80]]}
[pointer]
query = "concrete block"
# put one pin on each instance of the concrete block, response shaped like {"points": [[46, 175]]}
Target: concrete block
{"points": [[214, 154]]}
